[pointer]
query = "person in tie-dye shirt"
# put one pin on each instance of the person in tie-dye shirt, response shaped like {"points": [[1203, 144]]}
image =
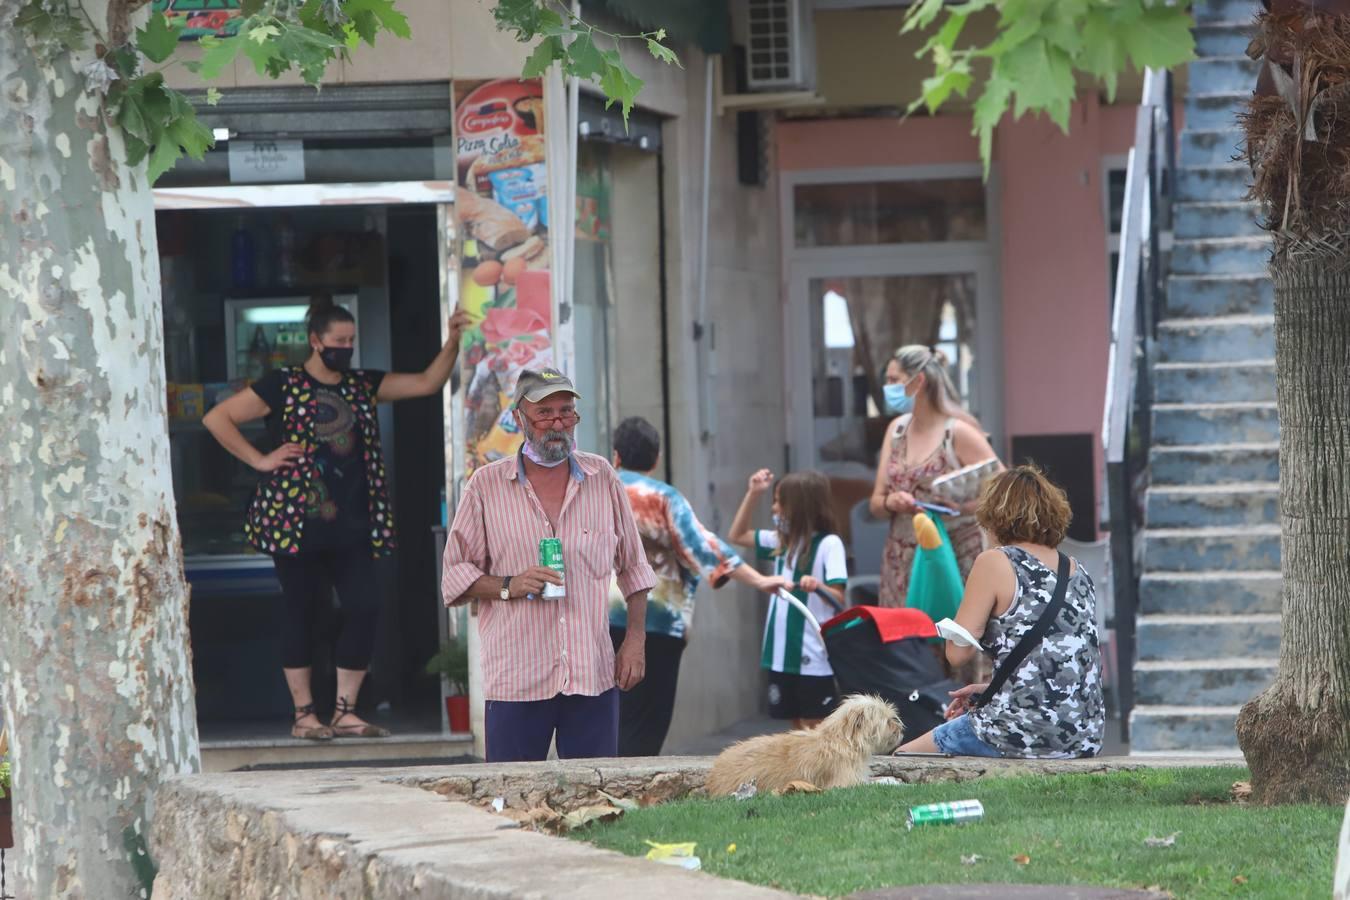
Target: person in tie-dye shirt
{"points": [[682, 552]]}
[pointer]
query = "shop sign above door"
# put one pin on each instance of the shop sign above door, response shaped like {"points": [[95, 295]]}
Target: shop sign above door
{"points": [[272, 161]]}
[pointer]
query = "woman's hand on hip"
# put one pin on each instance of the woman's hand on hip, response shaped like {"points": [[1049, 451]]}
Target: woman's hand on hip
{"points": [[283, 457], [529, 585]]}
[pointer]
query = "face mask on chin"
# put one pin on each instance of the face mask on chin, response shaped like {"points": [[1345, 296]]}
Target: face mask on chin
{"points": [[338, 359], [536, 447]]}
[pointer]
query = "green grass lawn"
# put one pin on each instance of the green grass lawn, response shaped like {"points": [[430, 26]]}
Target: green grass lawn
{"points": [[1085, 829]]}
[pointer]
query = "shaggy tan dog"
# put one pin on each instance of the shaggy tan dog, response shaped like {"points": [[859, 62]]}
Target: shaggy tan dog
{"points": [[834, 754]]}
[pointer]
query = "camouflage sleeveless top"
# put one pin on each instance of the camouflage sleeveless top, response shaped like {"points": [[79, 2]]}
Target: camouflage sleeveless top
{"points": [[1051, 707]]}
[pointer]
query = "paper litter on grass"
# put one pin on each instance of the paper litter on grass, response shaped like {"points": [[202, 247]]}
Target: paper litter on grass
{"points": [[1168, 841]]}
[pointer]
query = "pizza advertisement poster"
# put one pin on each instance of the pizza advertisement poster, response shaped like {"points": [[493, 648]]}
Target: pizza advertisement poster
{"points": [[501, 204], [199, 18]]}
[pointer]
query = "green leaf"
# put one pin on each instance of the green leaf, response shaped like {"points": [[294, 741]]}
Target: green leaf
{"points": [[544, 55], [1103, 53], [212, 96], [935, 91], [921, 15], [621, 86], [988, 112], [158, 39], [190, 134], [523, 18], [162, 158], [662, 52], [390, 19], [1160, 39], [51, 30], [365, 26], [584, 59], [218, 54], [259, 34]]}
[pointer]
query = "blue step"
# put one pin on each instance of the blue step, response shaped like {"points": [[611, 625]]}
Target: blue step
{"points": [[1201, 184], [1211, 148], [1201, 296], [1222, 75], [1217, 111], [1204, 683], [1198, 506], [1227, 255], [1214, 463], [1228, 39], [1201, 382], [1201, 593], [1241, 548], [1227, 339], [1241, 218], [1224, 636], [1191, 424], [1166, 729], [1206, 11]]}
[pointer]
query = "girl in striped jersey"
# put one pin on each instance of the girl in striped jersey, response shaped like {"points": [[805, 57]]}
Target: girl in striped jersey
{"points": [[804, 548]]}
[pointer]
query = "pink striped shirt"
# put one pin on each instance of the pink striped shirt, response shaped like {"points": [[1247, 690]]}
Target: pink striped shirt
{"points": [[536, 649]]}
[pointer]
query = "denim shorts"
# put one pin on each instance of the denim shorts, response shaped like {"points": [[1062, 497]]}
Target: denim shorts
{"points": [[957, 738]]}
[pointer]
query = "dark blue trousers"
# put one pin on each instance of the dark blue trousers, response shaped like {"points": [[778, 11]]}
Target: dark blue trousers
{"points": [[520, 731]]}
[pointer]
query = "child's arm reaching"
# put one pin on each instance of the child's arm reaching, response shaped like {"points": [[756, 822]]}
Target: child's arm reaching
{"points": [[742, 527]]}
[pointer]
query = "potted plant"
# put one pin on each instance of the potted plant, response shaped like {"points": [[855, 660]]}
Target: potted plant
{"points": [[452, 664], [6, 808]]}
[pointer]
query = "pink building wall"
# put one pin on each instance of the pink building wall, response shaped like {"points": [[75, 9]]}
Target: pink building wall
{"points": [[1051, 233]]}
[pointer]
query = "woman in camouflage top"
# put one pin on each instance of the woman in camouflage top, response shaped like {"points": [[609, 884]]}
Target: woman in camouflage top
{"points": [[1051, 707]]}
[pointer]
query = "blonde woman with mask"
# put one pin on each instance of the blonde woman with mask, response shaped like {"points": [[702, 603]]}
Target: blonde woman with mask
{"points": [[931, 436]]}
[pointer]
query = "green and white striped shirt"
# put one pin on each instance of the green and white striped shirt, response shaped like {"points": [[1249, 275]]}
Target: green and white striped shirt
{"points": [[790, 645]]}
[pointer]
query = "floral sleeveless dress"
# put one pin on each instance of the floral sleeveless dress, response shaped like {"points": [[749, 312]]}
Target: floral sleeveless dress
{"points": [[898, 557]]}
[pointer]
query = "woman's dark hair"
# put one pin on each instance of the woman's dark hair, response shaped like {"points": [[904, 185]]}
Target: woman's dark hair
{"points": [[323, 312], [808, 506], [638, 444]]}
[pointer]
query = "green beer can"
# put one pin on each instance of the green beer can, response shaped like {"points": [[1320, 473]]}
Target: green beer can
{"points": [[957, 813], [551, 557]]}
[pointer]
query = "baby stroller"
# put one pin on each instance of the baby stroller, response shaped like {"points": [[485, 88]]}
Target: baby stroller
{"points": [[886, 652]]}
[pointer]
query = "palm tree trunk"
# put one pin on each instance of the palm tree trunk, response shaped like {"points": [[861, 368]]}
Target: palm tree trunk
{"points": [[1296, 735]]}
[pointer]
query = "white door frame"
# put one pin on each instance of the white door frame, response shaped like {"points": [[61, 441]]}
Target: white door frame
{"points": [[803, 264]]}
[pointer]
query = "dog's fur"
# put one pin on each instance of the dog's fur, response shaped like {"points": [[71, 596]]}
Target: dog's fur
{"points": [[834, 754]]}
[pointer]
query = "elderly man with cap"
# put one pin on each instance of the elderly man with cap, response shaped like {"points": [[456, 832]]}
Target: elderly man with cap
{"points": [[548, 664]]}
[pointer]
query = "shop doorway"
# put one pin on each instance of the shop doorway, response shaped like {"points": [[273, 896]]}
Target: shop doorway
{"points": [[878, 259], [238, 275]]}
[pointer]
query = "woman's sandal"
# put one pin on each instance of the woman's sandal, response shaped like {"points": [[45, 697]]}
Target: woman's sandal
{"points": [[359, 730], [310, 732]]}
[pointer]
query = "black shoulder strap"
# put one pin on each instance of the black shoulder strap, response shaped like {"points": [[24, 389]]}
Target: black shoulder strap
{"points": [[1032, 638]]}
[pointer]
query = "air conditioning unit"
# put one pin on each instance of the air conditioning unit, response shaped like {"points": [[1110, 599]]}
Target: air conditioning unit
{"points": [[780, 44]]}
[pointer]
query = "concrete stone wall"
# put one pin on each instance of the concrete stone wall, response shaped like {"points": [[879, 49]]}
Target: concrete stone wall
{"points": [[720, 681]]}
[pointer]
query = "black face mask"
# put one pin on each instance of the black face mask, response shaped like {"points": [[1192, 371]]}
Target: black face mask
{"points": [[339, 359]]}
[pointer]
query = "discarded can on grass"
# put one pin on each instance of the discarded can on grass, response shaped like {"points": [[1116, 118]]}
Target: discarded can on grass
{"points": [[957, 813], [551, 557]]}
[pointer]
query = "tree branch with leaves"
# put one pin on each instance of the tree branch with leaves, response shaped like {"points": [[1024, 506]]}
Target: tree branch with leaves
{"points": [[1040, 51]]}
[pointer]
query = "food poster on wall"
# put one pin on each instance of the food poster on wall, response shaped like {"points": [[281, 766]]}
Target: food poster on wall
{"points": [[200, 18], [501, 202]]}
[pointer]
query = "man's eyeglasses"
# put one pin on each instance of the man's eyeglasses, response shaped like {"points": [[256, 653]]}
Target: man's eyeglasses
{"points": [[566, 419]]}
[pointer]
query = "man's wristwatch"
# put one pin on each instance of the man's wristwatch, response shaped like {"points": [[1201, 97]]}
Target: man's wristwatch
{"points": [[505, 593]]}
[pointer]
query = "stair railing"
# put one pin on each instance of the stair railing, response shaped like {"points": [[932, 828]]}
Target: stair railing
{"points": [[1138, 301]]}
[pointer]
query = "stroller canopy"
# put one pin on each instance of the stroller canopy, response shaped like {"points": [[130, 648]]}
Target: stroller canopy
{"points": [[893, 624]]}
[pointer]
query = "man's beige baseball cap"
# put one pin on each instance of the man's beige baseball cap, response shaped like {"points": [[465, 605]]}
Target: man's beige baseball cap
{"points": [[536, 384]]}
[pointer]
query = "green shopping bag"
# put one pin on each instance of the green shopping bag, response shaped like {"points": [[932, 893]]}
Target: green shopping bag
{"points": [[935, 584]]}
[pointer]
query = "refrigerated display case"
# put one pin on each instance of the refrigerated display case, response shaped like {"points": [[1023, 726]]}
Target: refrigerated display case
{"points": [[262, 335]]}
